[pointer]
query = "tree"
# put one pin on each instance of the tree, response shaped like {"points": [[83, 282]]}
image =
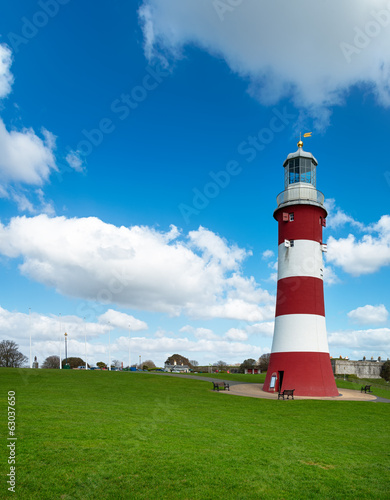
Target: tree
{"points": [[101, 364], [385, 371], [194, 362], [248, 363], [74, 362], [10, 356], [180, 360], [148, 365], [116, 364], [221, 365], [51, 362], [264, 362]]}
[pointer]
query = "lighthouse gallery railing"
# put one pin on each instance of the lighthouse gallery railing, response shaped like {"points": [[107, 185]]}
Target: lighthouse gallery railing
{"points": [[300, 192]]}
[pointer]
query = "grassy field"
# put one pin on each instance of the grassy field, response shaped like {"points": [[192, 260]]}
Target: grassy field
{"points": [[141, 436], [248, 379]]}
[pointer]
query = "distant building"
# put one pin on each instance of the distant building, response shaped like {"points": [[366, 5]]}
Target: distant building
{"points": [[176, 368], [252, 371], [362, 369]]}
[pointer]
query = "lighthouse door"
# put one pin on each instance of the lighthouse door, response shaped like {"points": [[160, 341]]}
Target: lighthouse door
{"points": [[280, 380]]}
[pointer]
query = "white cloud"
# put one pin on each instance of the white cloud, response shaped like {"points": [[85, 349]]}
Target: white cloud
{"points": [[338, 218], [330, 277], [234, 309], [74, 161], [363, 256], [25, 157], [274, 277], [17, 325], [371, 342], [266, 329], [121, 320], [369, 315], [46, 207], [6, 78], [199, 333], [23, 203], [216, 250], [236, 334], [26, 205], [137, 267], [266, 43], [47, 333], [267, 254]]}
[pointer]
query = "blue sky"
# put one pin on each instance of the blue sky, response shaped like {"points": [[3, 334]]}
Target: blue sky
{"points": [[141, 153]]}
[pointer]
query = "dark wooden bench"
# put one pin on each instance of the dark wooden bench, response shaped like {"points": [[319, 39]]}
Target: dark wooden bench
{"points": [[366, 388], [286, 392], [220, 385]]}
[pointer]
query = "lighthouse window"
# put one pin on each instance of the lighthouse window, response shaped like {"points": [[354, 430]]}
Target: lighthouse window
{"points": [[301, 170], [293, 169], [291, 216], [305, 171]]}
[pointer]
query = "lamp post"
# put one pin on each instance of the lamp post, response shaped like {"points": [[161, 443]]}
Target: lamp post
{"points": [[29, 317], [85, 335], [129, 349], [66, 349], [109, 346], [60, 342]]}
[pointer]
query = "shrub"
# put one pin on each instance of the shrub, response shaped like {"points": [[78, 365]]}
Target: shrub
{"points": [[385, 371]]}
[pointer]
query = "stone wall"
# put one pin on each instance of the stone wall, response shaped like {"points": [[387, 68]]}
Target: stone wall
{"points": [[362, 369]]}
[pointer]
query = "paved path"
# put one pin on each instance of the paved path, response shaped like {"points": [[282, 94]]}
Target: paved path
{"points": [[256, 390]]}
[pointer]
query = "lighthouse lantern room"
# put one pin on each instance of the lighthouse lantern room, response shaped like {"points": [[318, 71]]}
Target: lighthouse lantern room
{"points": [[300, 355]]}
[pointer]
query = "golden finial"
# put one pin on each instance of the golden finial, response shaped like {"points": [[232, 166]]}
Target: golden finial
{"points": [[300, 143]]}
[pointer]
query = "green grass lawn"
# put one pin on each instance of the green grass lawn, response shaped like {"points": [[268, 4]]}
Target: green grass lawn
{"points": [[240, 377], [128, 435]]}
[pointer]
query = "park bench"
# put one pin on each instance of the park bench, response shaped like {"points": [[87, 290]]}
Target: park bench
{"points": [[366, 388], [220, 385], [286, 392]]}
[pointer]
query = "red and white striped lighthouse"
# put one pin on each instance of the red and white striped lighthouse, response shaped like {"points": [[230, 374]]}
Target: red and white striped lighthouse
{"points": [[300, 354]]}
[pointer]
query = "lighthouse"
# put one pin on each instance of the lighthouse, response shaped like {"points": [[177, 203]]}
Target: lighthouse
{"points": [[300, 355]]}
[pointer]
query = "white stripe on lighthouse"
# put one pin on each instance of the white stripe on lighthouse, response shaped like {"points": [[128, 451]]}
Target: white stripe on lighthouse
{"points": [[300, 333], [303, 259]]}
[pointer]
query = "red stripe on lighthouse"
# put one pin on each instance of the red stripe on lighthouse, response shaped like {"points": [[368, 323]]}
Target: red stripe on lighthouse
{"points": [[300, 295], [309, 373], [307, 223]]}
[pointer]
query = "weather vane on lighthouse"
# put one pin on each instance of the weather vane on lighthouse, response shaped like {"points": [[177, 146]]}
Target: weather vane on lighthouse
{"points": [[300, 355]]}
